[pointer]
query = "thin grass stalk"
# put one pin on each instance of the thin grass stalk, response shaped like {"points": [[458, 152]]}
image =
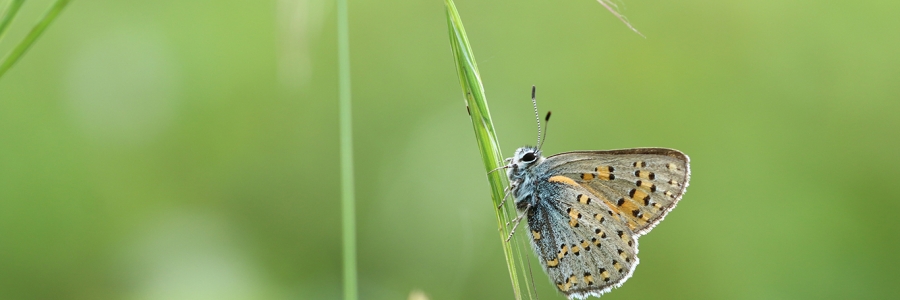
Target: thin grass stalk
{"points": [[8, 14], [486, 138], [348, 202], [10, 59], [614, 9]]}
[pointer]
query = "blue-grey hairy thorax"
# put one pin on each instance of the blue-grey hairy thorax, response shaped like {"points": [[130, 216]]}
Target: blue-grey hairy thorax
{"points": [[521, 171], [586, 209]]}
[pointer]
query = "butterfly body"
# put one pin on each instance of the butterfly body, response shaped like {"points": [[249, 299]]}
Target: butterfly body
{"points": [[586, 209]]}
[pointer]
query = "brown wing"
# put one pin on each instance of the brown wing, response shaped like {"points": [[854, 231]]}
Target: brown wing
{"points": [[640, 185], [586, 249]]}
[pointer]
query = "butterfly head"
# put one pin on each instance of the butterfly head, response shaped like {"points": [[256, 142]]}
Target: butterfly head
{"points": [[524, 158]]}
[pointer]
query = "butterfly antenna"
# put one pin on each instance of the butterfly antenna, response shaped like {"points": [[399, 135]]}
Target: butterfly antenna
{"points": [[536, 115], [546, 128]]}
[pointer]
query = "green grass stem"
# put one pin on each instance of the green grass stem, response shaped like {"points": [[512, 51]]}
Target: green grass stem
{"points": [[348, 202], [473, 91], [8, 14], [10, 59]]}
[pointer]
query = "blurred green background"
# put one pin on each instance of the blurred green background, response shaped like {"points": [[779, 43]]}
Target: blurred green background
{"points": [[188, 149]]}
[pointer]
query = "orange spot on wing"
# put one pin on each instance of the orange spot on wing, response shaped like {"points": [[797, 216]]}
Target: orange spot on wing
{"points": [[645, 175], [646, 184], [639, 196], [553, 263], [563, 179], [569, 282], [615, 209], [604, 172], [573, 213], [584, 199], [562, 287], [589, 279], [562, 253], [628, 206]]}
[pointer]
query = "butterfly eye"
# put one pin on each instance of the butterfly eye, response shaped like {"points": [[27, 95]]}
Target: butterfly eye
{"points": [[528, 156]]}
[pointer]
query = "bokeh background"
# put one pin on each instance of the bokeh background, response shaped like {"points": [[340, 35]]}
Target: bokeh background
{"points": [[188, 149]]}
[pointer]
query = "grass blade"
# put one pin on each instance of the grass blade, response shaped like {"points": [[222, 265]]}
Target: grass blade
{"points": [[470, 81], [8, 14], [611, 7], [32, 36], [348, 202]]}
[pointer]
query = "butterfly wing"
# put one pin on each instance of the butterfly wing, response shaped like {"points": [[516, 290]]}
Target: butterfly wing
{"points": [[585, 247], [639, 185]]}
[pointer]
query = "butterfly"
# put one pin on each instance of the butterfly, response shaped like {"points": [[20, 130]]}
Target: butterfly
{"points": [[586, 209]]}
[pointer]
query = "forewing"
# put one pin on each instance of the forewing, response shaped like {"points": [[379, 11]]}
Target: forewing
{"points": [[585, 247], [640, 185]]}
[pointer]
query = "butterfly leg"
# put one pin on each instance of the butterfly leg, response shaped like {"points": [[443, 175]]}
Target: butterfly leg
{"points": [[517, 220], [495, 170], [505, 163], [506, 193], [512, 186]]}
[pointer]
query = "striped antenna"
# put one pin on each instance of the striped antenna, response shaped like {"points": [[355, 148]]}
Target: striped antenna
{"points": [[537, 116], [546, 128]]}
